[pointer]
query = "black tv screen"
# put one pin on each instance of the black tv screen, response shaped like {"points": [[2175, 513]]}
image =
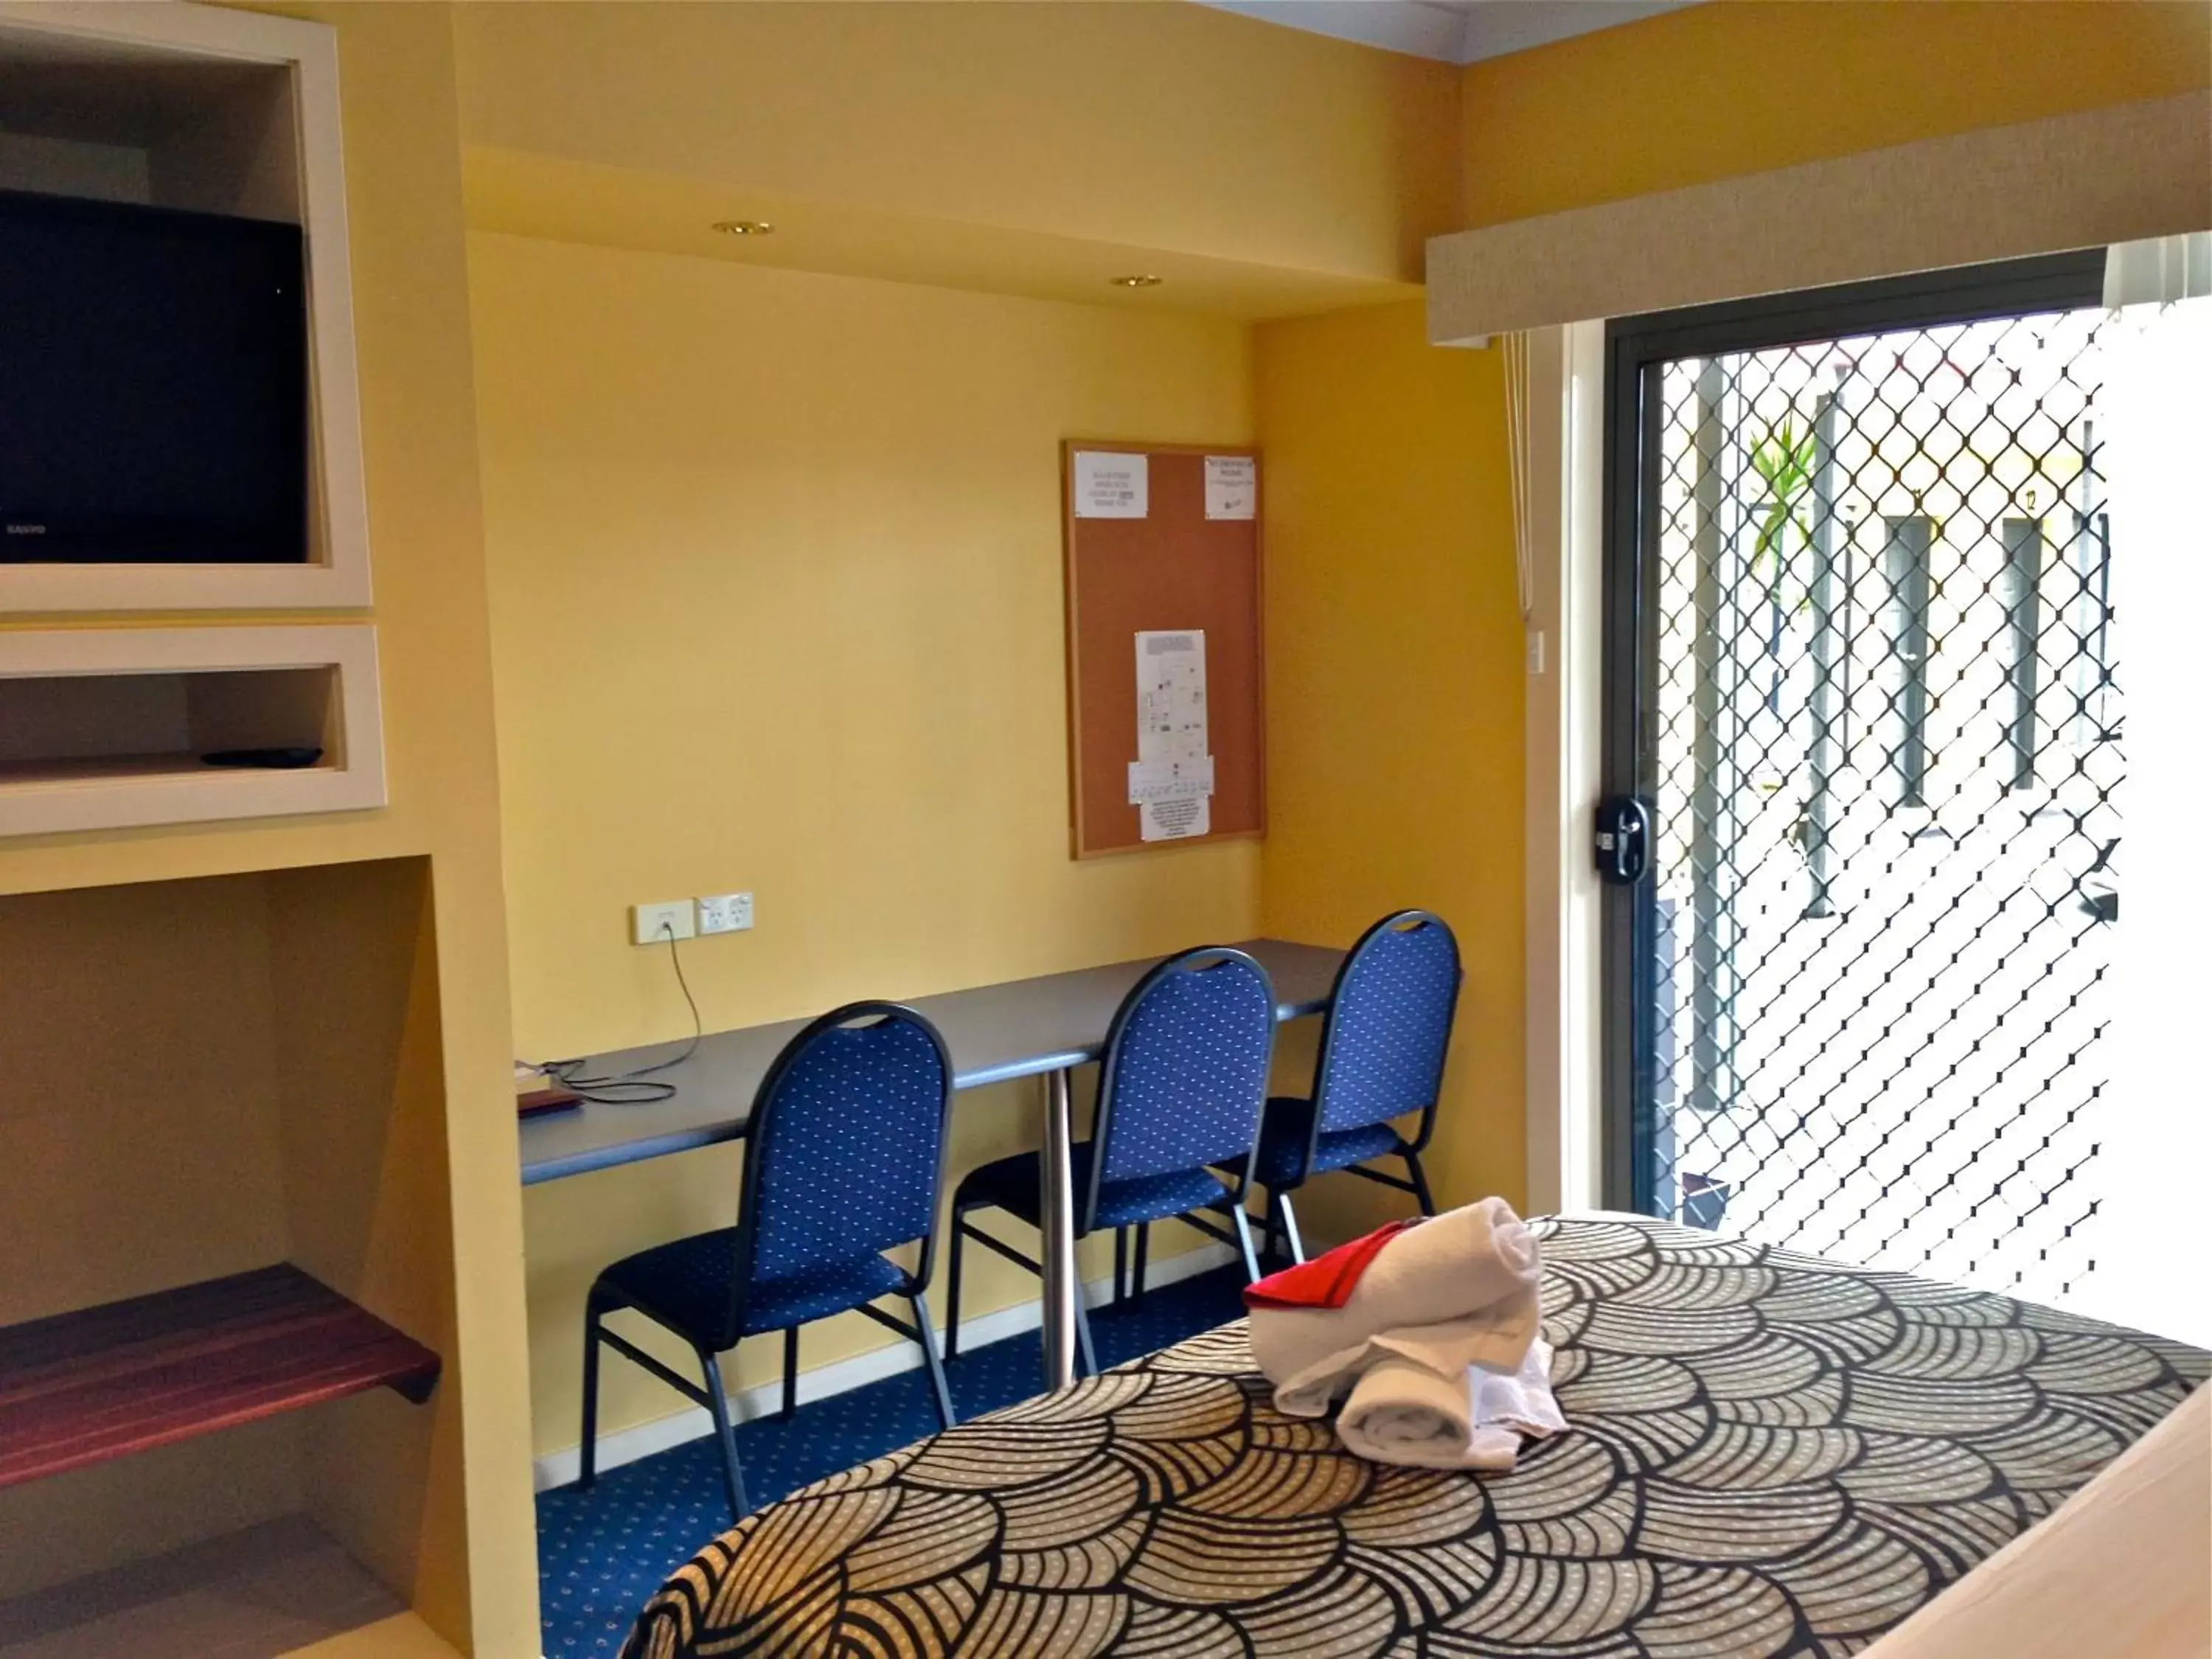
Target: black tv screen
{"points": [[153, 385]]}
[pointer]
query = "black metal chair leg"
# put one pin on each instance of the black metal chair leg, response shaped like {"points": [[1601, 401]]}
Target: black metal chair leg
{"points": [[1421, 1193], [1297, 1246], [733, 1478], [1121, 1264], [1244, 1239], [1137, 1277], [952, 1289], [1090, 1355], [790, 1370], [588, 1454], [935, 1366], [1268, 1234]]}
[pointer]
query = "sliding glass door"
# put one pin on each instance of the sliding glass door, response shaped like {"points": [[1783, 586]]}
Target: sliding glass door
{"points": [[1864, 747]]}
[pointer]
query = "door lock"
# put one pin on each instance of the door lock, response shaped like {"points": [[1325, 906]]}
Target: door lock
{"points": [[1623, 840]]}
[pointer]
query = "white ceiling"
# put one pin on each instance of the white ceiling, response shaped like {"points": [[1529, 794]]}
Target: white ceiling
{"points": [[1450, 31]]}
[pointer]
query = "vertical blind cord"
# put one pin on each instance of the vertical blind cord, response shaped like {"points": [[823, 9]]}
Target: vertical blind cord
{"points": [[1515, 346]]}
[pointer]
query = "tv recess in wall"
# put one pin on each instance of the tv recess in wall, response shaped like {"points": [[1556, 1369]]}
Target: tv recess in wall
{"points": [[153, 385]]}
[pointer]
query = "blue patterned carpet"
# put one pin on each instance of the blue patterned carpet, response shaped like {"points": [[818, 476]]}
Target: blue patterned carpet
{"points": [[601, 1553]]}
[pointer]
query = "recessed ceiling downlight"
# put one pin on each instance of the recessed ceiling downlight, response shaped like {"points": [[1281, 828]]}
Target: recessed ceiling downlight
{"points": [[745, 227]]}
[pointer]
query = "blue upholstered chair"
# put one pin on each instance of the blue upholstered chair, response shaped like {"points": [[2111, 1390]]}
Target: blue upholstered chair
{"points": [[1382, 1046], [1179, 1090], [844, 1155]]}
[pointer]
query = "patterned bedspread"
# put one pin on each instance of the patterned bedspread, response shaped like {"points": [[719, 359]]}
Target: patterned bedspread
{"points": [[1770, 1455]]}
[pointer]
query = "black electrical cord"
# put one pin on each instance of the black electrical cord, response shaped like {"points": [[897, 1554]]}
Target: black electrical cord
{"points": [[635, 1087]]}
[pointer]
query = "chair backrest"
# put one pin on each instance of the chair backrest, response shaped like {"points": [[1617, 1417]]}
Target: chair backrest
{"points": [[1185, 1077], [845, 1148], [1390, 1024]]}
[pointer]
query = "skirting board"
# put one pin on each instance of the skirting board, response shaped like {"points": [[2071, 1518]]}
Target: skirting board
{"points": [[627, 1445]]}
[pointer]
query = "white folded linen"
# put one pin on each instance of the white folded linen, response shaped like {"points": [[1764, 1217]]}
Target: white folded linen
{"points": [[1402, 1411], [1455, 1290]]}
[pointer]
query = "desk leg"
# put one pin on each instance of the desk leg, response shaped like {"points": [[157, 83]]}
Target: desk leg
{"points": [[1061, 1289]]}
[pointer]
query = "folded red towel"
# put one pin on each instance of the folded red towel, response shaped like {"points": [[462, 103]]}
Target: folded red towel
{"points": [[1327, 1281]]}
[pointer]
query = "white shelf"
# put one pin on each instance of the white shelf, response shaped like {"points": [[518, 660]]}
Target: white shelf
{"points": [[105, 728], [215, 110], [107, 769]]}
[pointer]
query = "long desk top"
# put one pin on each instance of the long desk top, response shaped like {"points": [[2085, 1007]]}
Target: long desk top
{"points": [[995, 1033]]}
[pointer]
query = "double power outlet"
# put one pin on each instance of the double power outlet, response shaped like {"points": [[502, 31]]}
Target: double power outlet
{"points": [[720, 913]]}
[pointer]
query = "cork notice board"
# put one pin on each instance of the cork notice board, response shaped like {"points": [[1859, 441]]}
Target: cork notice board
{"points": [[1163, 565]]}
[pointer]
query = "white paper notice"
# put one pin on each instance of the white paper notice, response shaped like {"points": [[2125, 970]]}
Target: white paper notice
{"points": [[1172, 778], [1233, 486], [1171, 694], [1174, 820], [1111, 486]]}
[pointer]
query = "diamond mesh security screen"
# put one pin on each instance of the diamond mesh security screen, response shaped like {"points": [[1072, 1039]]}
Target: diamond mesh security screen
{"points": [[1887, 730]]}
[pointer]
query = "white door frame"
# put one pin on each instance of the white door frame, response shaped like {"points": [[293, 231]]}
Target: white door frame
{"points": [[1565, 504]]}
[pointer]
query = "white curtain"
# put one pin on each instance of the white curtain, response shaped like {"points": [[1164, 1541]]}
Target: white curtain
{"points": [[2159, 268]]}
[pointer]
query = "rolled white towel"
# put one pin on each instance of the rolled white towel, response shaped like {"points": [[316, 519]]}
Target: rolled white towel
{"points": [[1402, 1411], [1455, 1291]]}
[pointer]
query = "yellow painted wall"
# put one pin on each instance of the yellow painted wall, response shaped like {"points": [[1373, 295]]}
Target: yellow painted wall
{"points": [[138, 1027], [1393, 687], [1162, 125], [403, 198], [775, 564], [1741, 86]]}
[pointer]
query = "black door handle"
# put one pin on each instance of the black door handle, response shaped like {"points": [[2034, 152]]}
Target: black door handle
{"points": [[1623, 840]]}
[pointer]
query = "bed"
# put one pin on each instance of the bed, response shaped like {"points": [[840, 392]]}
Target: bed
{"points": [[1770, 1455]]}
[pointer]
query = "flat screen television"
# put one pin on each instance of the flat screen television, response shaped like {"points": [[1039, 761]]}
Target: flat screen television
{"points": [[153, 385]]}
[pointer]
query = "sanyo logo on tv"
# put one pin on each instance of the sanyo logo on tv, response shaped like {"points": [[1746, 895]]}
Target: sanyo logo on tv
{"points": [[26, 530]]}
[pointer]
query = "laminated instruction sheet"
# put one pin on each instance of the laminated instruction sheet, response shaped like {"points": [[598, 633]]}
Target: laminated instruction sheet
{"points": [[1171, 780]]}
